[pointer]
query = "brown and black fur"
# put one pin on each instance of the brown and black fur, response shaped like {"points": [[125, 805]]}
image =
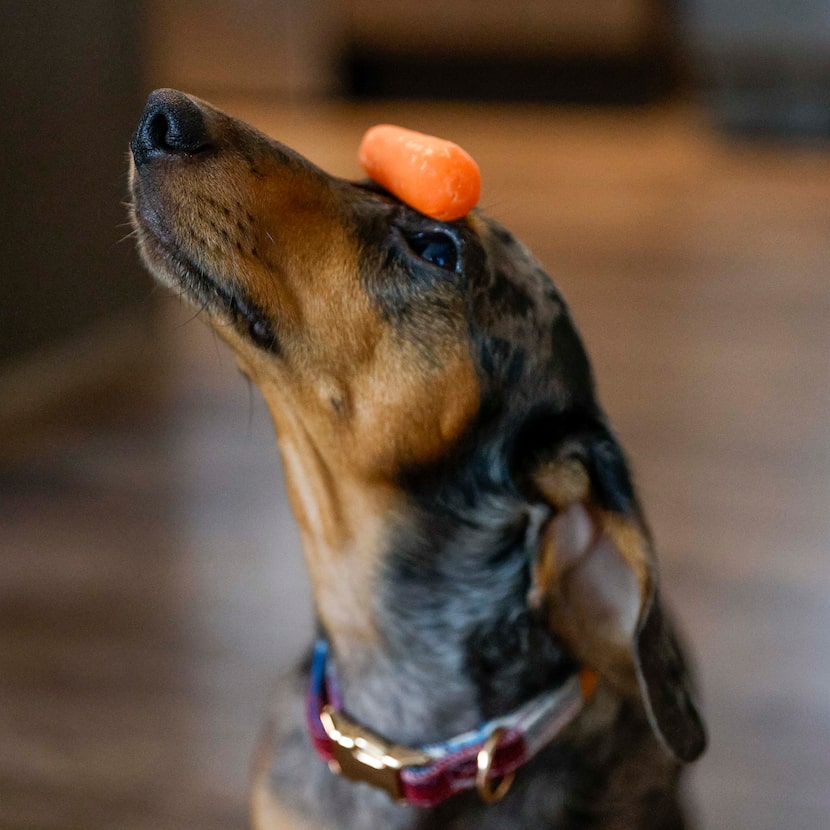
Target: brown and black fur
{"points": [[467, 515]]}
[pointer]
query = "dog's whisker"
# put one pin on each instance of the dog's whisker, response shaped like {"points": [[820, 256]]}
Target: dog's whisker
{"points": [[131, 235]]}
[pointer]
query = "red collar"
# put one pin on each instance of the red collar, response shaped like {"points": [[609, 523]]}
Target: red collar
{"points": [[485, 758]]}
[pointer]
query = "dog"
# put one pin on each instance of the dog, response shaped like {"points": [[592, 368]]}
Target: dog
{"points": [[493, 651]]}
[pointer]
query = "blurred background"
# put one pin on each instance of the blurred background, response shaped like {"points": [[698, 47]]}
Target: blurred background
{"points": [[666, 159]]}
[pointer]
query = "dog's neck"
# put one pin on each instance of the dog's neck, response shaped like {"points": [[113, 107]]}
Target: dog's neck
{"points": [[423, 597], [342, 520]]}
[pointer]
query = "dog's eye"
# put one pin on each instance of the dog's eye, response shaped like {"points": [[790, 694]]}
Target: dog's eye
{"points": [[436, 248], [261, 333]]}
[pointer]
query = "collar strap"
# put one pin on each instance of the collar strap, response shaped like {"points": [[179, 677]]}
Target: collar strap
{"points": [[485, 758]]}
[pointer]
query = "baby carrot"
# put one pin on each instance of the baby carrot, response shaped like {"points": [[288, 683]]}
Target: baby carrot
{"points": [[430, 174]]}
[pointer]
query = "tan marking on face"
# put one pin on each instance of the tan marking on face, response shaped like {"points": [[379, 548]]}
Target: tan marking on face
{"points": [[563, 483], [406, 413], [478, 225]]}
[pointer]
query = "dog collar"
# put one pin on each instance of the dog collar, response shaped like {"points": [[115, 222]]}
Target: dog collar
{"points": [[485, 758]]}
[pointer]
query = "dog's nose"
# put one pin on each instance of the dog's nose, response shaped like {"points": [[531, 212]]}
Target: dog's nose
{"points": [[172, 125]]}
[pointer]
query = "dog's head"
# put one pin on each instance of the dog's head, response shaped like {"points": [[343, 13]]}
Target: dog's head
{"points": [[393, 350]]}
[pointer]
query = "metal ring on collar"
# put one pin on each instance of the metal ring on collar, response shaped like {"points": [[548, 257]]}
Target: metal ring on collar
{"points": [[484, 763]]}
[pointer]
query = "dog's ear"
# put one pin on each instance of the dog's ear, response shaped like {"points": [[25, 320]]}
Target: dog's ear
{"points": [[595, 580]]}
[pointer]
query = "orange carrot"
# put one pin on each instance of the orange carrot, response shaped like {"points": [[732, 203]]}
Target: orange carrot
{"points": [[430, 174]]}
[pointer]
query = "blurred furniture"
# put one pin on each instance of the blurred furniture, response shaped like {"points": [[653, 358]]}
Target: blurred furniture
{"points": [[575, 51], [764, 66]]}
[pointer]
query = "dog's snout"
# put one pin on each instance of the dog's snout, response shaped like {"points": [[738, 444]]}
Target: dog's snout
{"points": [[172, 125]]}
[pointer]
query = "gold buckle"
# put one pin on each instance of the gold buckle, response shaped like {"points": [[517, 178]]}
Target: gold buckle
{"points": [[361, 755], [484, 763]]}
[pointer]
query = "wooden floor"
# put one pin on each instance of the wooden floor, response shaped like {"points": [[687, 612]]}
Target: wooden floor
{"points": [[151, 582]]}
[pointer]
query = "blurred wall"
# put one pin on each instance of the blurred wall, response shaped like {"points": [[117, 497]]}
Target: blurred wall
{"points": [[276, 47], [71, 91]]}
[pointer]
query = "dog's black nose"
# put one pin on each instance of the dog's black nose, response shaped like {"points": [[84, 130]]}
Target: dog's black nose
{"points": [[172, 125]]}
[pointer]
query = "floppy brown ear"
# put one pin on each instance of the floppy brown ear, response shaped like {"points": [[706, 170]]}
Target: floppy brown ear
{"points": [[596, 580]]}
